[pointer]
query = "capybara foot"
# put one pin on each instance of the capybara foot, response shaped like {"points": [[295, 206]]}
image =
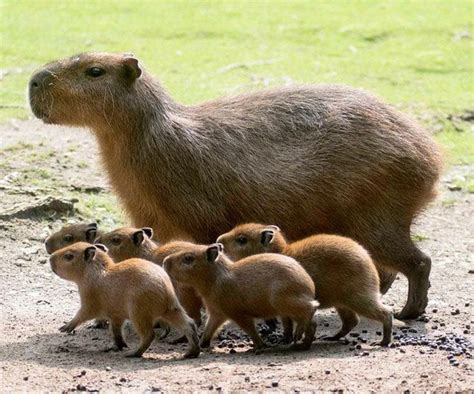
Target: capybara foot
{"points": [[134, 353], [99, 324], [193, 352], [115, 348], [68, 327]]}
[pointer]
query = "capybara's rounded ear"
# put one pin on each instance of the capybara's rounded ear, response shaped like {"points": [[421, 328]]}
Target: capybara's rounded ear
{"points": [[274, 227], [220, 246], [91, 234], [267, 236], [89, 254], [148, 231], [133, 70], [102, 247], [92, 225], [213, 251], [138, 237]]}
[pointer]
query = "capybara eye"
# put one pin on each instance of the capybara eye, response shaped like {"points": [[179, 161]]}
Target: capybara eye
{"points": [[68, 238], [116, 240], [95, 72], [188, 259], [241, 240], [68, 257]]}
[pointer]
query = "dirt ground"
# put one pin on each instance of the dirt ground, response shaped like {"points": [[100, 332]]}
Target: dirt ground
{"points": [[37, 161]]}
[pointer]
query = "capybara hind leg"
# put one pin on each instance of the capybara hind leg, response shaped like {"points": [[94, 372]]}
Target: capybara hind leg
{"points": [[287, 329], [248, 325], [190, 301], [145, 331], [178, 319], [375, 310], [387, 277], [349, 321], [116, 328], [309, 329], [417, 272]]}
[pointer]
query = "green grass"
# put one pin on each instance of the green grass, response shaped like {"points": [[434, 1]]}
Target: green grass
{"points": [[405, 51]]}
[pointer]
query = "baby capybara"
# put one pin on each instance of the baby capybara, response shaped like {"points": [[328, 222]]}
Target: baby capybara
{"points": [[129, 242], [135, 289], [342, 270], [309, 158], [263, 286], [70, 234]]}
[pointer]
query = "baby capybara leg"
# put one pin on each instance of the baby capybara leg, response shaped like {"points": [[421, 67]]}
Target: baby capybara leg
{"points": [[190, 301], [417, 270], [116, 328], [373, 309], [144, 328], [349, 321], [287, 329], [247, 324], [387, 277], [178, 319]]}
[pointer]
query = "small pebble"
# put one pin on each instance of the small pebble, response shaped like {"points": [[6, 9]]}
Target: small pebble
{"points": [[274, 384], [455, 312], [108, 369], [81, 387], [327, 371]]}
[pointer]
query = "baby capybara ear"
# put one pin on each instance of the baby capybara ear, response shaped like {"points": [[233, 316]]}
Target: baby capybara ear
{"points": [[89, 253], [267, 236], [91, 234], [213, 251], [138, 237], [132, 68], [148, 231], [102, 247]]}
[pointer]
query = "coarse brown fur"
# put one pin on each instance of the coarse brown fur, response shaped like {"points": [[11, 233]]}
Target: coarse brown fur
{"points": [[70, 234], [135, 289], [129, 242], [263, 286], [342, 270], [310, 158]]}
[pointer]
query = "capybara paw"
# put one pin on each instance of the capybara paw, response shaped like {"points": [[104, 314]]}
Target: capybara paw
{"points": [[193, 352], [68, 327], [380, 343], [115, 348], [205, 344], [409, 314], [99, 324], [133, 353]]}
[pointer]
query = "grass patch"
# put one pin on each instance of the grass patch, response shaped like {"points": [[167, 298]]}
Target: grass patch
{"points": [[417, 55]]}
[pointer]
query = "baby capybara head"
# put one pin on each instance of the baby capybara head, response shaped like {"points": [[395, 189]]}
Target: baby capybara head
{"points": [[84, 90], [252, 238], [71, 262], [68, 235], [193, 262], [126, 242]]}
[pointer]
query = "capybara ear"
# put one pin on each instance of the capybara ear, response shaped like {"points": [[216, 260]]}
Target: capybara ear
{"points": [[92, 225], [148, 231], [220, 246], [267, 237], [132, 68], [91, 234], [213, 252], [89, 253], [138, 237], [102, 247], [274, 227]]}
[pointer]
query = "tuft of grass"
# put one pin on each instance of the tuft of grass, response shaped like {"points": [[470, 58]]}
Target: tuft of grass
{"points": [[417, 55], [419, 237]]}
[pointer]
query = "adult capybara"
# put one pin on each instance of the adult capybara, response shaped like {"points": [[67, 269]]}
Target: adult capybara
{"points": [[311, 158]]}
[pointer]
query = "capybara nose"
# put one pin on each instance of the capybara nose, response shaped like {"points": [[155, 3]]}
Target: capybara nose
{"points": [[39, 79], [47, 245]]}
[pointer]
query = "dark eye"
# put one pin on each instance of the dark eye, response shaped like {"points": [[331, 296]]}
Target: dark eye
{"points": [[68, 257], [241, 240], [188, 259], [116, 241], [68, 238], [95, 72]]}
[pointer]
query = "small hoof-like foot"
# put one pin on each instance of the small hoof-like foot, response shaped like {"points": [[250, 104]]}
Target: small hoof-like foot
{"points": [[133, 354], [192, 353], [68, 327]]}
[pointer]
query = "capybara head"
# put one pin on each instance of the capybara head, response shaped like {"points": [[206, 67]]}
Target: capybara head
{"points": [[252, 238], [126, 242], [71, 234], [193, 262], [71, 262], [85, 89]]}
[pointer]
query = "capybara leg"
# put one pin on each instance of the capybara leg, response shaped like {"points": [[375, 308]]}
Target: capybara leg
{"points": [[248, 325], [271, 324], [178, 319], [287, 329], [349, 321], [309, 334], [190, 301], [99, 324], [387, 278], [417, 273], [375, 310], [214, 321], [145, 331], [116, 328]]}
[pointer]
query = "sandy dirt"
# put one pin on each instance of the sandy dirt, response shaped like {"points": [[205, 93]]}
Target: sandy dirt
{"points": [[38, 161]]}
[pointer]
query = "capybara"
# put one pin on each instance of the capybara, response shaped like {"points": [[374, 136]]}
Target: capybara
{"points": [[70, 234], [129, 242], [135, 289], [343, 272], [309, 158], [266, 286]]}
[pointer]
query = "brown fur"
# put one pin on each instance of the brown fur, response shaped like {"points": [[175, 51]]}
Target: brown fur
{"points": [[312, 159], [129, 242], [263, 286], [135, 289], [342, 270], [73, 233]]}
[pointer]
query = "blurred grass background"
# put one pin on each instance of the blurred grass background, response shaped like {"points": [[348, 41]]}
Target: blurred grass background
{"points": [[417, 55]]}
